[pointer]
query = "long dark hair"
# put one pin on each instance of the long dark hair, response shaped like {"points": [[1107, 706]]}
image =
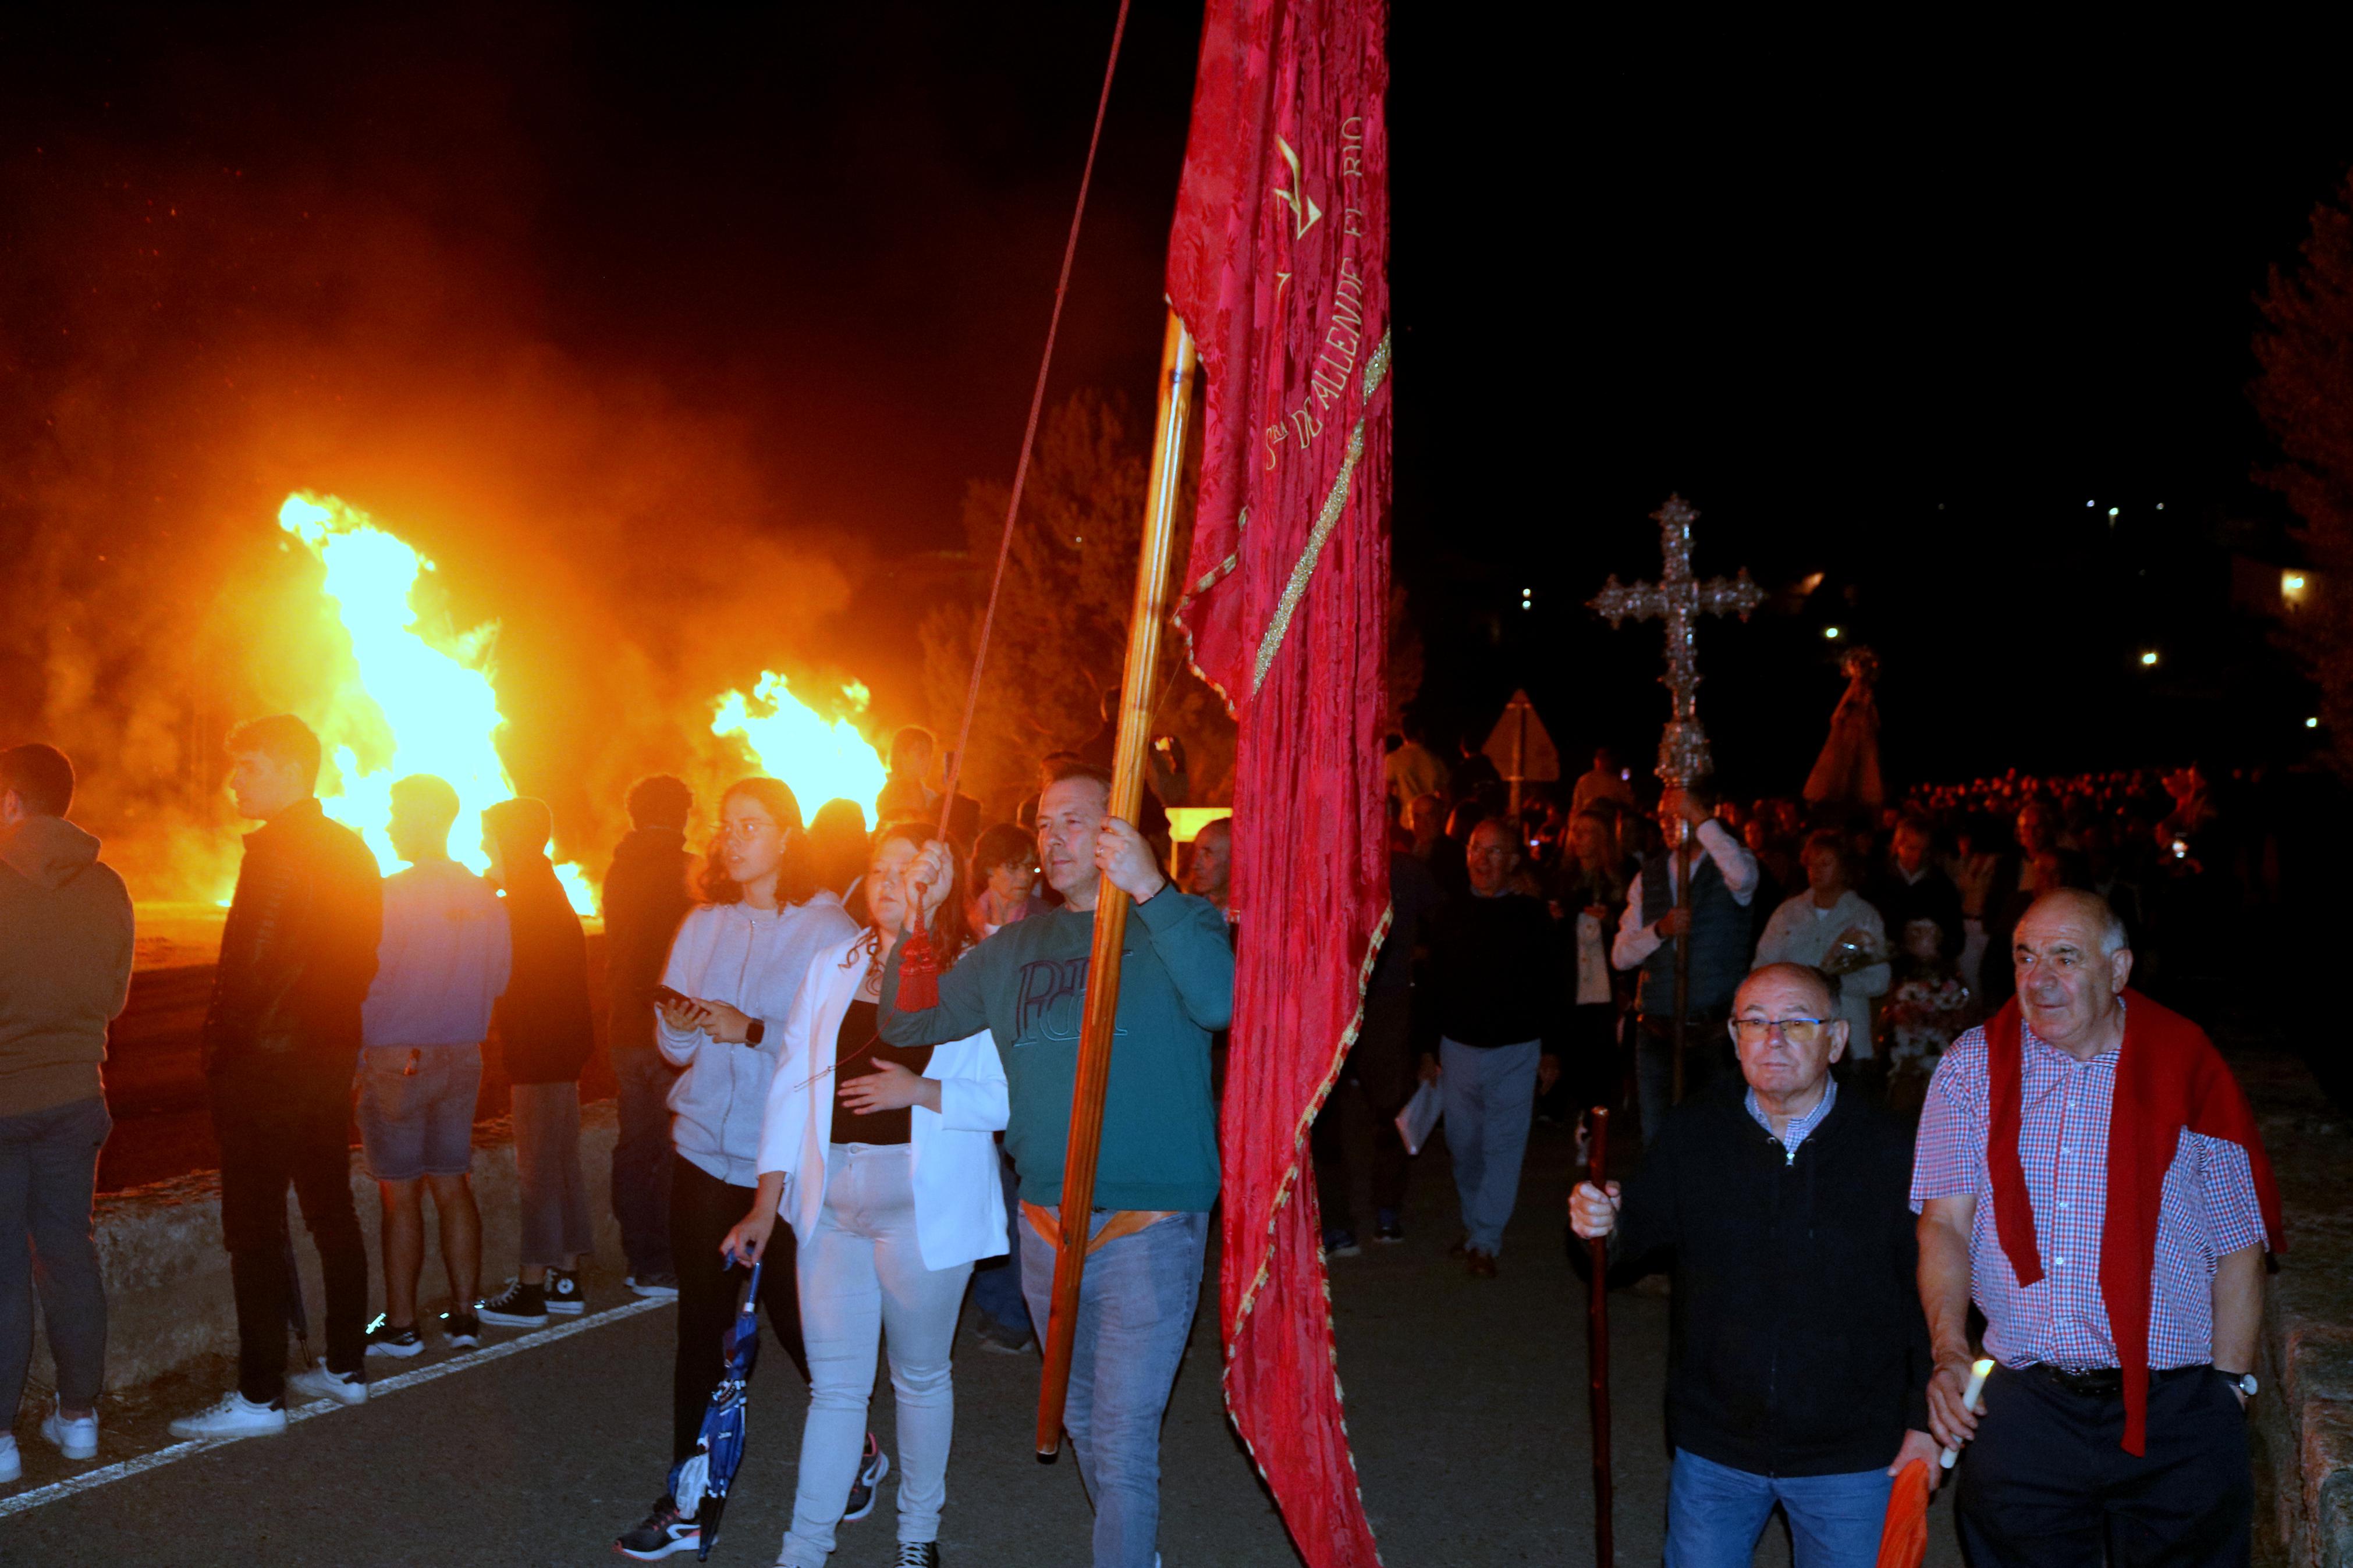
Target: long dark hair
{"points": [[796, 876], [951, 931]]}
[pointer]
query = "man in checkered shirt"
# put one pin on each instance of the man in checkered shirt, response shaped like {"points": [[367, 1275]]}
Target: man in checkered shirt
{"points": [[2050, 1477]]}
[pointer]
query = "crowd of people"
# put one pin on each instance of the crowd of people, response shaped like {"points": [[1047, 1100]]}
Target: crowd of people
{"points": [[784, 1118]]}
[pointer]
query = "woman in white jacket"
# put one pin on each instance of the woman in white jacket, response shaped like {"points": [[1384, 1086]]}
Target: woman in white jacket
{"points": [[734, 968], [882, 1159]]}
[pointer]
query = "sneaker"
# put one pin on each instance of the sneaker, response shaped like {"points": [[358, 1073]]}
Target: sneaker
{"points": [[873, 1466], [919, 1554], [660, 1533], [234, 1417], [1339, 1242], [1387, 1228], [519, 1306], [12, 1464], [462, 1329], [75, 1437], [563, 1293], [382, 1338], [661, 1286], [1005, 1339], [318, 1382]]}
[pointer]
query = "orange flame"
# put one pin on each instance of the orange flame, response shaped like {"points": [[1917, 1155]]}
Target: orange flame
{"points": [[413, 704], [822, 759]]}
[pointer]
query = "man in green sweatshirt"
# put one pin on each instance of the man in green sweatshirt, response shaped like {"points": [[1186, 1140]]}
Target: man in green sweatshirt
{"points": [[1157, 1176], [65, 974]]}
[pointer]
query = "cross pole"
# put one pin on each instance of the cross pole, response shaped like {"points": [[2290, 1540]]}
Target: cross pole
{"points": [[1678, 599]]}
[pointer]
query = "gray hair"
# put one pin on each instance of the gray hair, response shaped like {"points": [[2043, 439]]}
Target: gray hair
{"points": [[1820, 979], [2113, 938]]}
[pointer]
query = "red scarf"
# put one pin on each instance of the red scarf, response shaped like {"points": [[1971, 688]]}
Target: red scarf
{"points": [[2169, 1077]]}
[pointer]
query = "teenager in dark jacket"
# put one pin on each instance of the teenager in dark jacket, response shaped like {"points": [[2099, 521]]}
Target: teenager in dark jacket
{"points": [[646, 897], [281, 1042], [544, 1037], [1798, 1358]]}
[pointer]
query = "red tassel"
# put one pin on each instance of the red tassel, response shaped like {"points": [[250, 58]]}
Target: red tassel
{"points": [[919, 967]]}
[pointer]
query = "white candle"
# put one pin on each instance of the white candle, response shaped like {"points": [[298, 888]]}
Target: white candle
{"points": [[1978, 1372]]}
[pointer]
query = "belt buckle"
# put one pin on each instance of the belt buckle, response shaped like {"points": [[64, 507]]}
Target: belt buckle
{"points": [[2092, 1383]]}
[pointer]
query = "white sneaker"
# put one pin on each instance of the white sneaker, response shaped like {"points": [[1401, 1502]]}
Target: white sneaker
{"points": [[318, 1382], [75, 1437], [12, 1468], [234, 1417]]}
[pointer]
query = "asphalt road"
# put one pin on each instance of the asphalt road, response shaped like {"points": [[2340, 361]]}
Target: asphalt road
{"points": [[1466, 1403]]}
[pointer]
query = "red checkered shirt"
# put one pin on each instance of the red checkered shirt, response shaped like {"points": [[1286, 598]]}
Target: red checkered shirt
{"points": [[2208, 1208]]}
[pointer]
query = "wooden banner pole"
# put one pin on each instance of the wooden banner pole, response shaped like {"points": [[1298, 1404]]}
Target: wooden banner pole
{"points": [[1138, 687], [1597, 1352]]}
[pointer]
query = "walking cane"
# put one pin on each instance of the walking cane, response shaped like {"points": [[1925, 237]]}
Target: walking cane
{"points": [[1596, 1353]]}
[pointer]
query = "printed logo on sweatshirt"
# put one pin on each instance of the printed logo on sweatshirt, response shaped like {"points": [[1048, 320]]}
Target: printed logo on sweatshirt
{"points": [[1052, 1000]]}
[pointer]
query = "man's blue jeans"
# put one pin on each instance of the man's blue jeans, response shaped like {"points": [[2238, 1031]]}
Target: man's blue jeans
{"points": [[996, 1281], [1490, 1096], [1135, 1312], [48, 1168], [641, 1156], [1715, 1514]]}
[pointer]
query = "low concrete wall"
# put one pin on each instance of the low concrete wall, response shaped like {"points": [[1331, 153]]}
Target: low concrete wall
{"points": [[2304, 1417], [168, 1299]]}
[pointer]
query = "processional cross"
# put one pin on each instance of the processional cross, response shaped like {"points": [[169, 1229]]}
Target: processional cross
{"points": [[1679, 599]]}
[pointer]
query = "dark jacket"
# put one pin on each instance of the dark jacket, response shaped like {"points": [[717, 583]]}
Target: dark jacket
{"points": [[299, 949], [545, 1032], [65, 963], [1497, 966], [646, 897], [1796, 1345], [1721, 938], [1932, 898]]}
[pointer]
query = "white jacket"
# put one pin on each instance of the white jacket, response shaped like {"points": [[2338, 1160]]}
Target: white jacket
{"points": [[959, 1199], [752, 960]]}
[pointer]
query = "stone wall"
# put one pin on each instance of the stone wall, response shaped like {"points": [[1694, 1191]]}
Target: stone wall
{"points": [[168, 1300], [2304, 1417]]}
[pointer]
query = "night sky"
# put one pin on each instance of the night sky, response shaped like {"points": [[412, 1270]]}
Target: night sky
{"points": [[614, 315]]}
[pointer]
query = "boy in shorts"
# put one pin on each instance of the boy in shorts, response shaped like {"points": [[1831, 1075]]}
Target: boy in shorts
{"points": [[442, 964]]}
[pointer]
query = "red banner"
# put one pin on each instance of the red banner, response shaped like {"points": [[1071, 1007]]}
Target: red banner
{"points": [[1279, 266]]}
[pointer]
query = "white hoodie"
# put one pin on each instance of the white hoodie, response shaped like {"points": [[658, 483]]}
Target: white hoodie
{"points": [[752, 960], [959, 1198]]}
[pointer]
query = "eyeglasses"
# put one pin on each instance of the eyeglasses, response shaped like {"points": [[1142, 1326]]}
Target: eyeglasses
{"points": [[1797, 1031], [746, 830]]}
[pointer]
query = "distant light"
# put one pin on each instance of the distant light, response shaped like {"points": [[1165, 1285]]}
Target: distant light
{"points": [[2312, 723], [2161, 506], [2115, 510], [2291, 584], [2091, 504], [1830, 632], [2148, 657]]}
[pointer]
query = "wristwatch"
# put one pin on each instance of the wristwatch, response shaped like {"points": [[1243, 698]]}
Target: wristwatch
{"points": [[755, 1032], [2245, 1382]]}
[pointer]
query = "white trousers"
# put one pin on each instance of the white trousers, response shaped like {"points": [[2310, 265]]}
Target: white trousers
{"points": [[862, 1277]]}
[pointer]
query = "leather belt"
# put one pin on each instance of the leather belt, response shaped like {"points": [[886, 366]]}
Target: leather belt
{"points": [[2107, 1382]]}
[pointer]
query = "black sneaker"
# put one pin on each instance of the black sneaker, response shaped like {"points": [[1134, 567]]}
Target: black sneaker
{"points": [[1339, 1242], [919, 1554], [1387, 1228], [660, 1533], [563, 1293], [519, 1306], [382, 1338], [873, 1466], [1005, 1339], [462, 1329]]}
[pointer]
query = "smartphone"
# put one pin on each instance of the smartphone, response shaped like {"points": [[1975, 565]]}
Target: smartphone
{"points": [[679, 998]]}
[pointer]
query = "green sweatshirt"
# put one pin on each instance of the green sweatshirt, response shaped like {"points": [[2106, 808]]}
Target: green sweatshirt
{"points": [[1027, 986]]}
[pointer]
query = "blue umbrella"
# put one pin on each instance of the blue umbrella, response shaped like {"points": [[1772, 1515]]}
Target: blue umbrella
{"points": [[699, 1482]]}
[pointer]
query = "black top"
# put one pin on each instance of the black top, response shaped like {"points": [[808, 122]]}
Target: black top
{"points": [[856, 1050], [1796, 1345], [299, 949], [1498, 967], [545, 1027], [646, 899], [1413, 898]]}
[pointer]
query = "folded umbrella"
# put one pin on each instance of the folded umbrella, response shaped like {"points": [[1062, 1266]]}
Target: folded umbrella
{"points": [[1904, 1540], [699, 1482]]}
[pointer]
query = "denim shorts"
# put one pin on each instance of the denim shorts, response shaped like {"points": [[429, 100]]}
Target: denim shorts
{"points": [[416, 1110]]}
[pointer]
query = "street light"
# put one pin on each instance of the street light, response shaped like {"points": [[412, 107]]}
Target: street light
{"points": [[2312, 723], [2292, 586], [1832, 633], [2149, 656]]}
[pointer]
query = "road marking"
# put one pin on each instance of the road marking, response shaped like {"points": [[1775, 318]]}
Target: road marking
{"points": [[57, 1491]]}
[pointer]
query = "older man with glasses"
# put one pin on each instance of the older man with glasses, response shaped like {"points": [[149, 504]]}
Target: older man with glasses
{"points": [[1798, 1358]]}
